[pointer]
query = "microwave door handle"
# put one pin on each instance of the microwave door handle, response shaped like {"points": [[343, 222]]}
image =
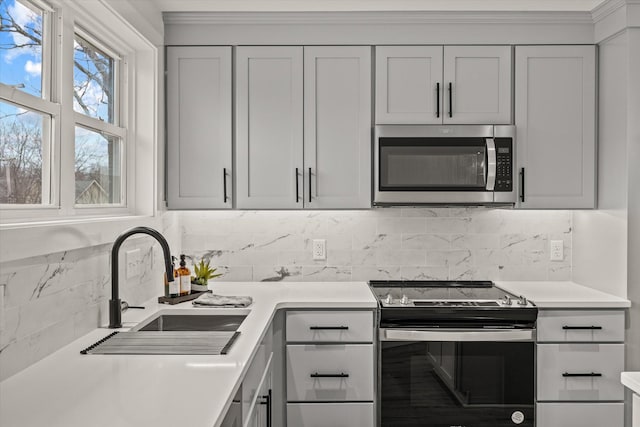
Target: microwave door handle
{"points": [[491, 164]]}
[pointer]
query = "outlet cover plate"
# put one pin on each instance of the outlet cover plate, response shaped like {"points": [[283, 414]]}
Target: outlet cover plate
{"points": [[319, 249], [556, 250]]}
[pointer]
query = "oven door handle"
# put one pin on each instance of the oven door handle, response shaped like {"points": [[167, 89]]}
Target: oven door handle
{"points": [[491, 164], [457, 335]]}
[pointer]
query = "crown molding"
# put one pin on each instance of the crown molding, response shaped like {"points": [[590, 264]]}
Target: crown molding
{"points": [[607, 8], [378, 17]]}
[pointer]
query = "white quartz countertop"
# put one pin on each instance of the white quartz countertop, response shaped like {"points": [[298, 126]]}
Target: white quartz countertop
{"points": [[631, 380], [563, 295], [67, 389]]}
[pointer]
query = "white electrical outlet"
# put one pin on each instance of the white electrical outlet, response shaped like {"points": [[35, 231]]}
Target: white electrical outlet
{"points": [[133, 263], [319, 249], [556, 252]]}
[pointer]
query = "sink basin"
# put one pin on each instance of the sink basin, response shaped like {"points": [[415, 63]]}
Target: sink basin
{"points": [[165, 334], [192, 322]]}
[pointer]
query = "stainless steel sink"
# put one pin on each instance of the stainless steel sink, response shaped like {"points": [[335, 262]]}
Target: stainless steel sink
{"points": [[192, 322], [167, 333]]}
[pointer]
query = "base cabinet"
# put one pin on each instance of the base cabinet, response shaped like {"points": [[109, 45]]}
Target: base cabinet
{"points": [[330, 415], [580, 414], [580, 355], [330, 368], [636, 411]]}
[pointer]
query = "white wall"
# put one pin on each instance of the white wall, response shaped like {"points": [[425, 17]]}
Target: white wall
{"points": [[633, 133], [600, 236]]}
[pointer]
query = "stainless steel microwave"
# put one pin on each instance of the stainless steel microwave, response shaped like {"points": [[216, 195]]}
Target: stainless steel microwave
{"points": [[420, 164]]}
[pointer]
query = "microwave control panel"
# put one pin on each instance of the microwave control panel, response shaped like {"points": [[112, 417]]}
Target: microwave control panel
{"points": [[504, 164]]}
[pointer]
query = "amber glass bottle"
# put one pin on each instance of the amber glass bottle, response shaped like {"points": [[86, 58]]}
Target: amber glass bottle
{"points": [[184, 276]]}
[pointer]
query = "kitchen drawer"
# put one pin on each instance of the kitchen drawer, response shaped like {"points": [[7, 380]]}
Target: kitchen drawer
{"points": [[308, 365], [330, 326], [330, 415], [555, 361], [579, 414], [581, 326]]}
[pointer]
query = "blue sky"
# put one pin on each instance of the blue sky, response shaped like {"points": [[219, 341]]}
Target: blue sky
{"points": [[20, 65]]}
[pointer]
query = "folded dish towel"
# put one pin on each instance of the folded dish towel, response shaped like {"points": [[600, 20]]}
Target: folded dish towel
{"points": [[212, 300]]}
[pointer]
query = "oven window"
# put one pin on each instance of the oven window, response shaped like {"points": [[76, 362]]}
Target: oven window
{"points": [[443, 384], [432, 166]]}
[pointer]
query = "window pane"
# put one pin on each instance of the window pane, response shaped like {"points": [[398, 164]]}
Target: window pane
{"points": [[98, 168], [93, 81], [24, 142], [21, 46]]}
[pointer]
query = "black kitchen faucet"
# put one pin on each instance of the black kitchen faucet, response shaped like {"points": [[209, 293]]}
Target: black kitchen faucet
{"points": [[115, 305]]}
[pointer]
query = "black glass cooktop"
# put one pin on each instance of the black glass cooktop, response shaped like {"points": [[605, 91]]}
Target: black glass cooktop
{"points": [[439, 293]]}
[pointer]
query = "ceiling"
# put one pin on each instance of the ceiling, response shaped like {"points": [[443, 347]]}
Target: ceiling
{"points": [[373, 5]]}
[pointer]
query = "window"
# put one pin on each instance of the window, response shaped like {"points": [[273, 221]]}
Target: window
{"points": [[26, 112], [40, 131], [24, 142], [98, 138]]}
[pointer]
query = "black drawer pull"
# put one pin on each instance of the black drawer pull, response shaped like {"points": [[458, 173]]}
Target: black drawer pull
{"points": [[438, 99], [590, 374], [581, 328], [329, 328], [340, 375]]}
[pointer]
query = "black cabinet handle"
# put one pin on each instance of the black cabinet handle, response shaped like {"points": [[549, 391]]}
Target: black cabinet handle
{"points": [[224, 183], [450, 99], [297, 189], [522, 185], [438, 99], [329, 328], [581, 328], [269, 402], [340, 375], [309, 185], [589, 374]]}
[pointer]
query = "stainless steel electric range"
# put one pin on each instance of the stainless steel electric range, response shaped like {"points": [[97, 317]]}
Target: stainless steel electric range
{"points": [[454, 354]]}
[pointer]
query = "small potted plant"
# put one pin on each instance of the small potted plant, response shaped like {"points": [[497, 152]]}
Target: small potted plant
{"points": [[203, 272]]}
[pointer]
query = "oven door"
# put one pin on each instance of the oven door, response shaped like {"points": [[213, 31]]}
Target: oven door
{"points": [[456, 378], [419, 164]]}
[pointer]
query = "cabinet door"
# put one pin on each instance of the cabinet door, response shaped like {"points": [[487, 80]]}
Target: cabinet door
{"points": [[477, 83], [269, 127], [409, 88], [198, 127], [555, 125], [337, 127]]}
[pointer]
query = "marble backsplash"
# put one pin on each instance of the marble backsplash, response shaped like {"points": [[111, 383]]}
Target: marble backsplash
{"points": [[54, 299], [394, 243], [51, 300]]}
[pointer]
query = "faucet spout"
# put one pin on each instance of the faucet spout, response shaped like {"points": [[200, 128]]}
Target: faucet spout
{"points": [[115, 305]]}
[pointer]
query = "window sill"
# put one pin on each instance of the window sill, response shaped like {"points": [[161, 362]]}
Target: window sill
{"points": [[31, 239]]}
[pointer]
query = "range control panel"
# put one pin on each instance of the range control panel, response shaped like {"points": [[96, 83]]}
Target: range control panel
{"points": [[504, 164]]}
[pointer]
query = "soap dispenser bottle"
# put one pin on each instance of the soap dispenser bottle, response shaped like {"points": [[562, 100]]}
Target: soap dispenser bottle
{"points": [[184, 275], [173, 288]]}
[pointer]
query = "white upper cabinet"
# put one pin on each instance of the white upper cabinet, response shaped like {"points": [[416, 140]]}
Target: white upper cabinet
{"points": [[555, 124], [269, 133], [337, 127], [409, 86], [199, 127], [477, 83], [443, 85], [329, 165]]}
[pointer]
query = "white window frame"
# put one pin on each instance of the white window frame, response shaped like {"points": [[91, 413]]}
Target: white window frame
{"points": [[140, 97], [45, 105], [63, 20], [117, 129]]}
